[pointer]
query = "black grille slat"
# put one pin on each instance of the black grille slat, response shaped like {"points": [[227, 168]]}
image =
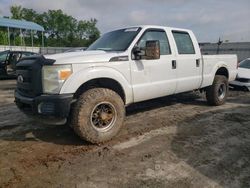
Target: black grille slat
{"points": [[24, 68], [25, 92], [26, 86], [25, 74]]}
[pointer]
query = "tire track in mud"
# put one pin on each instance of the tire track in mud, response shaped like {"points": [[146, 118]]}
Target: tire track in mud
{"points": [[12, 120], [167, 118]]}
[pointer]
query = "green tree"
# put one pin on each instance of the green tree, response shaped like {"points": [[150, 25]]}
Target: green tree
{"points": [[3, 37], [17, 12], [60, 29], [87, 30], [29, 14]]}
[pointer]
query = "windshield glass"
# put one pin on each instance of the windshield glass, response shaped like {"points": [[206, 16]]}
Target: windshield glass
{"points": [[245, 64], [118, 40], [3, 56]]}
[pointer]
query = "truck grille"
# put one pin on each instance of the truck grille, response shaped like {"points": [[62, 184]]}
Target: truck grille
{"points": [[29, 75], [24, 84]]}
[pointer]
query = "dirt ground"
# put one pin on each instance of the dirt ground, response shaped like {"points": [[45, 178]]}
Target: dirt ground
{"points": [[176, 141]]}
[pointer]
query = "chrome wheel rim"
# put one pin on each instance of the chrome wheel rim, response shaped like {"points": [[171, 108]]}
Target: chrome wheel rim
{"points": [[222, 91], [103, 116]]}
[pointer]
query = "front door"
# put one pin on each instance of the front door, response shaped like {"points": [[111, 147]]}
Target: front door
{"points": [[153, 78]]}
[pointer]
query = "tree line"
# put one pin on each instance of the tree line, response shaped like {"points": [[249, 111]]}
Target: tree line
{"points": [[60, 29]]}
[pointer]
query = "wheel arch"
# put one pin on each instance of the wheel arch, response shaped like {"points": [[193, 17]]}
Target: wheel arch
{"points": [[103, 82], [223, 71], [99, 77]]}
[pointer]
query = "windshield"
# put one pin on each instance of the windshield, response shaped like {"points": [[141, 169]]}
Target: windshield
{"points": [[245, 64], [118, 40]]}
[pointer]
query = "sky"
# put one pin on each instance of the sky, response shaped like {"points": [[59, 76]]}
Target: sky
{"points": [[209, 19]]}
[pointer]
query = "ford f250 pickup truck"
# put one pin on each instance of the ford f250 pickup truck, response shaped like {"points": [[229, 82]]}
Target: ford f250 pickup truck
{"points": [[90, 89]]}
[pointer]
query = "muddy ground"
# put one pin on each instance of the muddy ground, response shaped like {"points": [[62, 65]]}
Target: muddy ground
{"points": [[176, 141]]}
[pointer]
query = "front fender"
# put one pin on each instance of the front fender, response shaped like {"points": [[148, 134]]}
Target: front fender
{"points": [[79, 78]]}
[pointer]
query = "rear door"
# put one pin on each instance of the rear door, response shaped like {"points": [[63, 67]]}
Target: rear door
{"points": [[188, 61]]}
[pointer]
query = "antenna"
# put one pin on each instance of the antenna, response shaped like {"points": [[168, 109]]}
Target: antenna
{"points": [[218, 45]]}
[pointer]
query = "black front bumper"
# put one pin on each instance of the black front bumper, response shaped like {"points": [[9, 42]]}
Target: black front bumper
{"points": [[57, 106]]}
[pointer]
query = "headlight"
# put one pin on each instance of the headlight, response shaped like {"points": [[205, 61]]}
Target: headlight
{"points": [[54, 76]]}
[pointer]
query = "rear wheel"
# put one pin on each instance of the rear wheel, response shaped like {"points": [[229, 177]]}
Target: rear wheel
{"points": [[216, 94], [98, 115]]}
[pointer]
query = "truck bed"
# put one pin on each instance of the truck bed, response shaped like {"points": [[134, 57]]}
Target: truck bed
{"points": [[210, 68]]}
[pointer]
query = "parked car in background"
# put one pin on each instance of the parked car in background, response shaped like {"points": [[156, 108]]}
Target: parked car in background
{"points": [[9, 59], [78, 49], [243, 77]]}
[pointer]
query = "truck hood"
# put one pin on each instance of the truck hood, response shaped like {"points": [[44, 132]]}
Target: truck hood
{"points": [[243, 73], [95, 56]]}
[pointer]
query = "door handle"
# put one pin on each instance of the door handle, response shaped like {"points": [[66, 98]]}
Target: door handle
{"points": [[197, 62], [173, 64]]}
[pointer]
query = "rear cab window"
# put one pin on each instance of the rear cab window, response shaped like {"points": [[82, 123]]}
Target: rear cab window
{"points": [[183, 42]]}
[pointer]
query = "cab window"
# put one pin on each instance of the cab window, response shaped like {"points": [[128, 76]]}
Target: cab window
{"points": [[155, 35], [183, 42]]}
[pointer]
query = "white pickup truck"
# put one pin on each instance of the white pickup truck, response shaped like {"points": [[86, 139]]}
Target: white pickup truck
{"points": [[91, 89]]}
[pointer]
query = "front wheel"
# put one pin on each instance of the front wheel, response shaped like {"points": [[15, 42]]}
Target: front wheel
{"points": [[98, 115], [216, 94]]}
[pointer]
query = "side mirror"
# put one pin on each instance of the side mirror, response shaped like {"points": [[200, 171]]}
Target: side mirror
{"points": [[152, 49]]}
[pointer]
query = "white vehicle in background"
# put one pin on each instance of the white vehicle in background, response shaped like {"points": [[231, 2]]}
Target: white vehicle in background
{"points": [[243, 77], [91, 89]]}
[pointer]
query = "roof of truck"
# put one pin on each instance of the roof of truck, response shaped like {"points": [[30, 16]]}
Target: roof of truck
{"points": [[154, 26], [158, 26]]}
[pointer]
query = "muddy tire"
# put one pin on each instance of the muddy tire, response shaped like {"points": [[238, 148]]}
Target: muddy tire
{"points": [[98, 115], [216, 94]]}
